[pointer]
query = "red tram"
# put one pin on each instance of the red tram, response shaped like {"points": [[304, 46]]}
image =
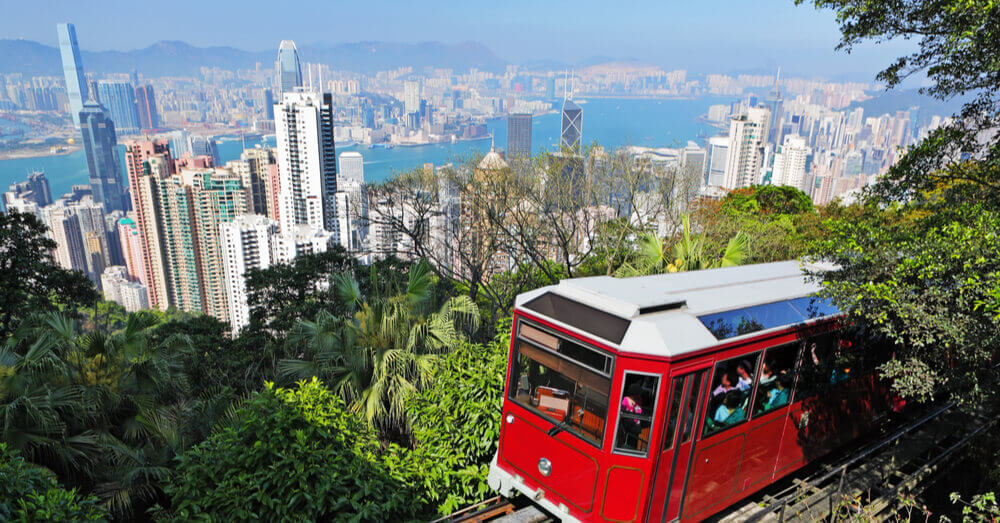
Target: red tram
{"points": [[671, 397]]}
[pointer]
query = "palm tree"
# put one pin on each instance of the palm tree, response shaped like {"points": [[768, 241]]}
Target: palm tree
{"points": [[688, 254], [387, 348]]}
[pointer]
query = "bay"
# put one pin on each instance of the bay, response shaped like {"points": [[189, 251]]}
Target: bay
{"points": [[609, 122]]}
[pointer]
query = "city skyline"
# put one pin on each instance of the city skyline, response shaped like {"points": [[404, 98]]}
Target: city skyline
{"points": [[799, 38]]}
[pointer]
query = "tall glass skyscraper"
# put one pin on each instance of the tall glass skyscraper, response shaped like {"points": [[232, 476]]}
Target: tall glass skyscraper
{"points": [[145, 102], [76, 83], [99, 142], [289, 69], [519, 135], [572, 125], [119, 99]]}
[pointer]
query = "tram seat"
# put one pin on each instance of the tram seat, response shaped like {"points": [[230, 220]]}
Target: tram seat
{"points": [[552, 401]]}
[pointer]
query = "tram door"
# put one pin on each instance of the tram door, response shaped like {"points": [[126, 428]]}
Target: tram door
{"points": [[686, 394]]}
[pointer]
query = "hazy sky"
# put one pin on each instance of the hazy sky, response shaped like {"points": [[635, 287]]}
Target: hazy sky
{"points": [[700, 35]]}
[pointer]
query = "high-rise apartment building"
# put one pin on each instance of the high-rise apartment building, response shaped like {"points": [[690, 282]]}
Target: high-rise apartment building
{"points": [[411, 96], [717, 154], [289, 68], [572, 125], [118, 97], [307, 161], [148, 162], [254, 168], [204, 146], [131, 245], [747, 138], [145, 102], [790, 162], [246, 245], [519, 135], [120, 289], [35, 192], [100, 144], [76, 83]]}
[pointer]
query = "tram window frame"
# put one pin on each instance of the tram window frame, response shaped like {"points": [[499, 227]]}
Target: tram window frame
{"points": [[553, 338], [796, 348], [693, 406], [815, 376], [674, 402], [623, 416], [708, 422]]}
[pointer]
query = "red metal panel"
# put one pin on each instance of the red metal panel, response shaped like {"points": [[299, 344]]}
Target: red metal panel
{"points": [[574, 473], [622, 492], [716, 467], [763, 439]]}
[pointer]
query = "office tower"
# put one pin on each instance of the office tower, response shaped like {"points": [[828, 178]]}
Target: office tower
{"points": [[119, 99], [550, 87], [145, 102], [115, 254], [179, 143], [773, 101], [39, 185], [147, 162], [204, 146], [351, 170], [100, 144], [76, 83], [131, 245], [716, 157], [97, 252], [307, 162], [246, 245], [411, 96], [692, 160], [572, 125], [790, 162], [289, 69], [519, 135], [254, 168], [267, 101], [747, 137]]}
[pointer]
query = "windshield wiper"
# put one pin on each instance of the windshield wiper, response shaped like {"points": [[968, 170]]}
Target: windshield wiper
{"points": [[559, 427]]}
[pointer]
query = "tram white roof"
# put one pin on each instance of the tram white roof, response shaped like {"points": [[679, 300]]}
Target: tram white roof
{"points": [[662, 311]]}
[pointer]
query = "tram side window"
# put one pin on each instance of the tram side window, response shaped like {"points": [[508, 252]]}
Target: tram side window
{"points": [[691, 411], [732, 384], [675, 406], [777, 375], [817, 371], [560, 390], [635, 412]]}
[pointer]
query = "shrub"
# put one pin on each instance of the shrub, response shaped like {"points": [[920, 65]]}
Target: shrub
{"points": [[31, 493], [289, 454]]}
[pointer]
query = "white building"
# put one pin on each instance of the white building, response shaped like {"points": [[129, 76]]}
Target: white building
{"points": [[246, 244], [745, 157], [790, 162], [411, 96], [715, 161], [119, 289], [351, 169], [307, 163], [255, 242]]}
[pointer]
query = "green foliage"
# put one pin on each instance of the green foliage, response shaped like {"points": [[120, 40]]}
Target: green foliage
{"points": [[30, 493], [981, 508], [688, 254], [456, 424], [768, 199], [30, 279], [385, 351], [290, 455]]}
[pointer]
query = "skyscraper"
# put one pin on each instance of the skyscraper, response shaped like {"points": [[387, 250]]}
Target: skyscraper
{"points": [[145, 102], [253, 168], [519, 135], [747, 137], [352, 169], [204, 146], [411, 96], [100, 144], [773, 101], [76, 83], [716, 157], [572, 125], [118, 98], [35, 192], [307, 161], [246, 245], [148, 162], [289, 69], [790, 162]]}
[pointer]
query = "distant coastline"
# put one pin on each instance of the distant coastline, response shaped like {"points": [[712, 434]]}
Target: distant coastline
{"points": [[37, 152]]}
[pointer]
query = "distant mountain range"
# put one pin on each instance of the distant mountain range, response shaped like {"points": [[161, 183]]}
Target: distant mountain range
{"points": [[173, 58]]}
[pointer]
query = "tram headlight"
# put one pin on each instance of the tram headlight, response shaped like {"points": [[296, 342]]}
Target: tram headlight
{"points": [[510, 418], [544, 466]]}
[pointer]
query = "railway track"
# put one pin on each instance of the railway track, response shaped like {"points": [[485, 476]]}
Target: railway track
{"points": [[868, 480], [498, 510]]}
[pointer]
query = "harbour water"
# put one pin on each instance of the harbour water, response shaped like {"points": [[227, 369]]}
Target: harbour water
{"points": [[609, 122]]}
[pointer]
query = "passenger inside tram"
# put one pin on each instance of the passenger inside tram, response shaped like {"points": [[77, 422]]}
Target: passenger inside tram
{"points": [[727, 382], [731, 410], [780, 394], [636, 414], [745, 373]]}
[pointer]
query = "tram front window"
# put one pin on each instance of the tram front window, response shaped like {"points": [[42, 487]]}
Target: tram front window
{"points": [[560, 390]]}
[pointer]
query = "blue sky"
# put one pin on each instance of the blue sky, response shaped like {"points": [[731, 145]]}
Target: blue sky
{"points": [[700, 35]]}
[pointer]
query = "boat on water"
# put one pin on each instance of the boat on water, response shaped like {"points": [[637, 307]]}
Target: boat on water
{"points": [[381, 146]]}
